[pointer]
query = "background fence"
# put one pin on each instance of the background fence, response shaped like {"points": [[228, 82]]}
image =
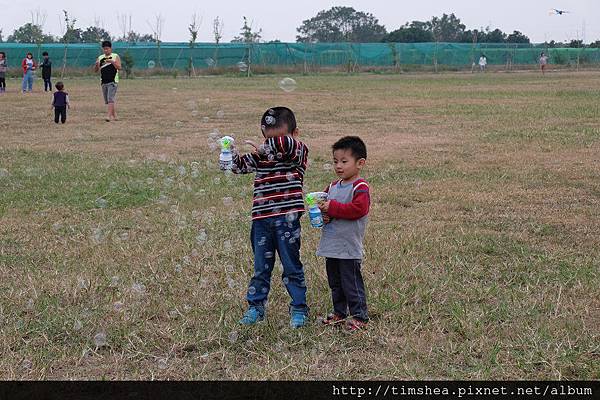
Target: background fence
{"points": [[307, 56]]}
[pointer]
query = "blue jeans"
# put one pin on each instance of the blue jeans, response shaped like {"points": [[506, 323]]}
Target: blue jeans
{"points": [[28, 81], [282, 235]]}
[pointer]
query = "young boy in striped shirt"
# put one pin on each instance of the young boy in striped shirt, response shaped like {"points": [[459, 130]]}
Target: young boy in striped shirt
{"points": [[279, 163], [345, 214]]}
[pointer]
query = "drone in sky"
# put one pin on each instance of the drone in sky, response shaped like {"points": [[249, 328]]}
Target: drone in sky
{"points": [[555, 11]]}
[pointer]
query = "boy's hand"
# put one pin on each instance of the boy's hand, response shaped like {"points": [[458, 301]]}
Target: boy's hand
{"points": [[251, 143], [324, 206]]}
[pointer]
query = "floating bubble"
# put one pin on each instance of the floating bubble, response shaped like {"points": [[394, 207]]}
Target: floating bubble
{"points": [[77, 325], [227, 201], [285, 280], [26, 364], [82, 284], [287, 235], [231, 283], [227, 245], [100, 339], [327, 167], [220, 114], [97, 235], [251, 290], [242, 66], [287, 85], [101, 203], [178, 268], [205, 119], [124, 236], [264, 290], [195, 113], [57, 226], [217, 180], [229, 268], [3, 173], [186, 260], [118, 306], [233, 336], [151, 64], [291, 216], [161, 363], [138, 288], [181, 169], [29, 305], [201, 237], [149, 181], [210, 62], [178, 124], [114, 281]]}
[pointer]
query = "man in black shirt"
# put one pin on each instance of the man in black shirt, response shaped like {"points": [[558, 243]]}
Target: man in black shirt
{"points": [[109, 65]]}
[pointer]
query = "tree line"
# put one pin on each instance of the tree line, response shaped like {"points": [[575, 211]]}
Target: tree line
{"points": [[338, 24]]}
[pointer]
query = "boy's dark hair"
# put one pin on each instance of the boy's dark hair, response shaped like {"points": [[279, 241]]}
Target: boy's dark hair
{"points": [[353, 143], [59, 86], [29, 54], [276, 117], [106, 43], [45, 53], [3, 53]]}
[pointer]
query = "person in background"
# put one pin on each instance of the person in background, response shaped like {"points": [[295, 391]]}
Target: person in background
{"points": [[3, 69], [109, 65], [47, 72], [29, 65], [482, 63], [543, 62]]}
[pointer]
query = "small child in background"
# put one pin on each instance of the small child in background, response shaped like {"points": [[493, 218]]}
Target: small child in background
{"points": [[3, 69], [47, 72], [60, 103], [345, 216]]}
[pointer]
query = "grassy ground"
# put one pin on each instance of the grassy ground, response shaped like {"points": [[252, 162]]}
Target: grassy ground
{"points": [[482, 246]]}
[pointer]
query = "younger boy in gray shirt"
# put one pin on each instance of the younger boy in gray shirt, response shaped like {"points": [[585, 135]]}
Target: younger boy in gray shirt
{"points": [[345, 214]]}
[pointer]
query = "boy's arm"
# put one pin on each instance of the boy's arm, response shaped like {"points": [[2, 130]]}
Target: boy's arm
{"points": [[286, 148], [244, 164], [117, 63], [357, 208], [67, 101]]}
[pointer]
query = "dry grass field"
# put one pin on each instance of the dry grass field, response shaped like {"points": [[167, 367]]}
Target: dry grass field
{"points": [[483, 249]]}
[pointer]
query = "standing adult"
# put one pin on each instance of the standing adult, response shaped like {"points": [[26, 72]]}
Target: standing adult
{"points": [[29, 65], [47, 72], [482, 63], [109, 65], [543, 62]]}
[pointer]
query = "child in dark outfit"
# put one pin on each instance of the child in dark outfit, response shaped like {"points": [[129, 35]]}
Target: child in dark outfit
{"points": [[47, 72], [60, 103]]}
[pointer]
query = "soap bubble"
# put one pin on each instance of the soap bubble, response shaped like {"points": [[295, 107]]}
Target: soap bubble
{"points": [[194, 113], [201, 237], [210, 62], [205, 119], [228, 201], [178, 124], [97, 236], [101, 203], [29, 305], [229, 268], [151, 64], [118, 306], [178, 268], [82, 284], [3, 173], [287, 85], [251, 290], [114, 281], [57, 226], [291, 216], [231, 283], [161, 363], [77, 325], [285, 280], [327, 167], [227, 245], [233, 336], [100, 339], [181, 169], [220, 114], [242, 66], [138, 288], [26, 364]]}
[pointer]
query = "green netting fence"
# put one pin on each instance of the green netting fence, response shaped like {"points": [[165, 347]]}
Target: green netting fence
{"points": [[307, 56]]}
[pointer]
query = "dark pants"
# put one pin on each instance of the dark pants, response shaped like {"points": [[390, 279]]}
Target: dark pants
{"points": [[2, 83], [47, 85], [60, 112], [347, 288], [270, 235]]}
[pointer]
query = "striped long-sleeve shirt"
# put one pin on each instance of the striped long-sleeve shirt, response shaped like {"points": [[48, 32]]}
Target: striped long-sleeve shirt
{"points": [[280, 165]]}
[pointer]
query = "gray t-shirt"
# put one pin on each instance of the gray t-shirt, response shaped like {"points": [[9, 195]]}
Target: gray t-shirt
{"points": [[343, 238]]}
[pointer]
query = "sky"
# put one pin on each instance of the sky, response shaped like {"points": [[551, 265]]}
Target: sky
{"points": [[279, 20]]}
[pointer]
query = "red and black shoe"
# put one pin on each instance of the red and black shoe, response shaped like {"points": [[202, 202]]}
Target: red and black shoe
{"points": [[355, 325], [333, 319]]}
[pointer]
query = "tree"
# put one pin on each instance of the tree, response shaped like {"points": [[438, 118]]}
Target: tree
{"points": [[517, 37], [448, 28], [1, 38], [576, 44], [94, 34], [341, 24], [157, 27], [193, 28], [217, 35], [415, 32], [495, 36], [29, 33], [595, 45], [247, 35]]}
